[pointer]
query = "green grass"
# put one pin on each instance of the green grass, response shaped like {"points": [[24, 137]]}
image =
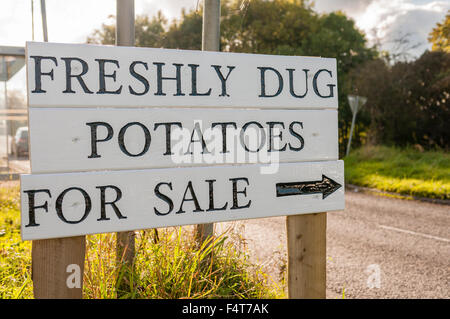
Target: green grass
{"points": [[15, 256], [404, 171], [169, 265]]}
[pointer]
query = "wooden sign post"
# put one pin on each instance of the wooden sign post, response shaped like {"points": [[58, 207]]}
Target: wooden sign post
{"points": [[210, 42], [125, 249], [306, 239], [124, 138], [53, 259]]}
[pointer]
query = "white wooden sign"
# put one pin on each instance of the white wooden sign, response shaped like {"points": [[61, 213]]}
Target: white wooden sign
{"points": [[128, 138], [70, 204], [85, 139], [63, 75]]}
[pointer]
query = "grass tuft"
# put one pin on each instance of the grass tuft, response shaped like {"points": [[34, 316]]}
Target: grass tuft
{"points": [[15, 255], [168, 264], [174, 267]]}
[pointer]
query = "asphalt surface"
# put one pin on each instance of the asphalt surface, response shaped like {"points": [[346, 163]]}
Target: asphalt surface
{"points": [[378, 247]]}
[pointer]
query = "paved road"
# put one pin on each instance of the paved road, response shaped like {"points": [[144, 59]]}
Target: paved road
{"points": [[378, 247]]}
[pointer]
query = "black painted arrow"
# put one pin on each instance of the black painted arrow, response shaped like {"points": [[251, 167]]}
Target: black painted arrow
{"points": [[326, 187]]}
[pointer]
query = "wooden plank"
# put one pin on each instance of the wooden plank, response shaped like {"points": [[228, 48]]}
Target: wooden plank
{"points": [[14, 118], [72, 204], [306, 238], [13, 111], [70, 139], [57, 268], [84, 75]]}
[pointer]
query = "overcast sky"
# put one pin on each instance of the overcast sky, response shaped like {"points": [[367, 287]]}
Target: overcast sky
{"points": [[71, 21]]}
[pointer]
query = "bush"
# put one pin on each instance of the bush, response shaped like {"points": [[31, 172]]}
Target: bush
{"points": [[409, 102]]}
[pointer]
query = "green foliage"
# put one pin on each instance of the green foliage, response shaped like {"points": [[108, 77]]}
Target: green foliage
{"points": [[440, 36], [167, 266], [268, 27], [185, 33], [286, 27], [106, 34], [171, 266], [409, 102], [15, 257], [294, 28], [405, 171], [148, 31]]}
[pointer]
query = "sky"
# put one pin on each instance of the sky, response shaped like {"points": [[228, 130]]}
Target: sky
{"points": [[71, 21]]}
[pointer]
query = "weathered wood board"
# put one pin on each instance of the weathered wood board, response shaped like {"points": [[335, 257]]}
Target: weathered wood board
{"points": [[65, 75], [86, 139], [71, 204]]}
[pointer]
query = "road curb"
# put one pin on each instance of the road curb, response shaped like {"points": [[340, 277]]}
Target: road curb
{"points": [[369, 190]]}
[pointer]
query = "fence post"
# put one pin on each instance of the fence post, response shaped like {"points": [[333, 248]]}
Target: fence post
{"points": [[306, 241], [210, 42], [125, 249]]}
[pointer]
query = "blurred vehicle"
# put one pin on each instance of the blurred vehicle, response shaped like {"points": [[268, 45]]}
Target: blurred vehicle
{"points": [[19, 144]]}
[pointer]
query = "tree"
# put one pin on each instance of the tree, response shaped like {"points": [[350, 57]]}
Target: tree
{"points": [[430, 94], [286, 27], [408, 102], [185, 33], [440, 36], [268, 27], [337, 37], [293, 28], [148, 32]]}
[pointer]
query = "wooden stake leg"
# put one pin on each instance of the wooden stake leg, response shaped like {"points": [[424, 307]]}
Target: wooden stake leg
{"points": [[203, 232], [125, 251], [306, 235], [125, 36], [57, 268], [125, 247], [210, 42]]}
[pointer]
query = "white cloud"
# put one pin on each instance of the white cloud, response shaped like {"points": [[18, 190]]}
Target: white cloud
{"points": [[171, 8], [387, 20], [71, 21], [418, 22], [352, 8], [383, 15], [15, 22]]}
